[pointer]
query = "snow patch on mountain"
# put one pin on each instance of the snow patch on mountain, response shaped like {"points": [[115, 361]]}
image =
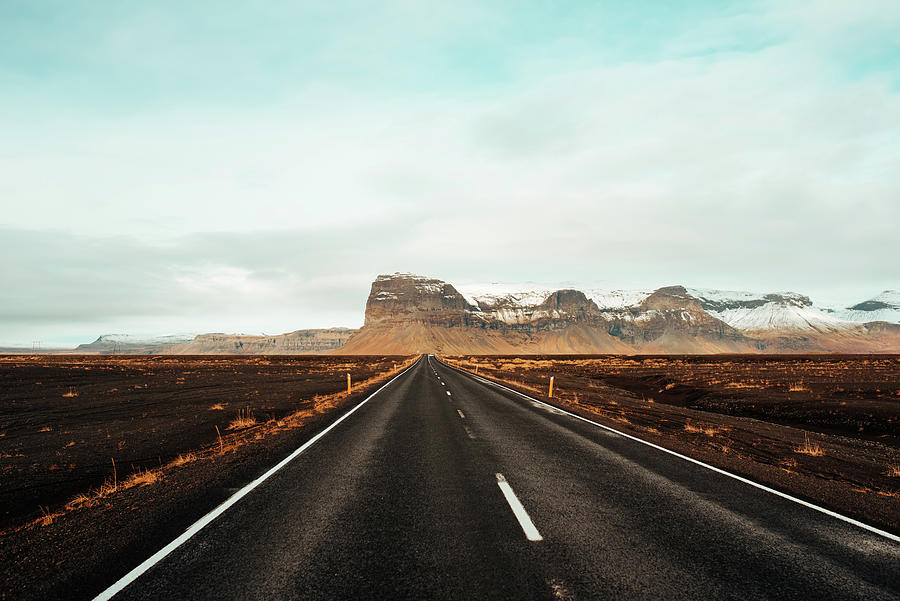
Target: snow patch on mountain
{"points": [[781, 316], [494, 295], [530, 294], [751, 311], [883, 307], [611, 300]]}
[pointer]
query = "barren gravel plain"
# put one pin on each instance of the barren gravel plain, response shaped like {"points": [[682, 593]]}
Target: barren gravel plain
{"points": [[823, 427], [71, 424]]}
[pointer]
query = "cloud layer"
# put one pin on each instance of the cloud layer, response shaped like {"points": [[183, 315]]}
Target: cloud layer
{"points": [[750, 147]]}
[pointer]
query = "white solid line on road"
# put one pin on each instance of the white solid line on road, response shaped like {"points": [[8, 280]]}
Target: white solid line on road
{"points": [[212, 515], [461, 414], [763, 487], [531, 533]]}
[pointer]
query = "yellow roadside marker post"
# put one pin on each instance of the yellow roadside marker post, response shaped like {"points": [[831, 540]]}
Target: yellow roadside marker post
{"points": [[348, 383], [550, 395]]}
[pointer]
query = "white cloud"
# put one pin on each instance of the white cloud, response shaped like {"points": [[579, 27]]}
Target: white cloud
{"points": [[761, 168]]}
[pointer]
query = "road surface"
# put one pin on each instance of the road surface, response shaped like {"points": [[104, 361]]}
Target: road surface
{"points": [[442, 486]]}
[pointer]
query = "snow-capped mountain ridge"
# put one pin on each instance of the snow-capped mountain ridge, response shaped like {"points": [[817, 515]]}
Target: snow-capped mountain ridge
{"points": [[753, 312], [743, 310], [882, 307]]}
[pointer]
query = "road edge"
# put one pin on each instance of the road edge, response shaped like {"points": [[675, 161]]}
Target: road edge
{"points": [[745, 480], [207, 519]]}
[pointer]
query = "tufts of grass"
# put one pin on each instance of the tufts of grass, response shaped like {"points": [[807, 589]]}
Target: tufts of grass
{"points": [[217, 407], [82, 500], [893, 471], [142, 478], [182, 459], [708, 430], [70, 393], [107, 488], [809, 448], [46, 516], [244, 419]]}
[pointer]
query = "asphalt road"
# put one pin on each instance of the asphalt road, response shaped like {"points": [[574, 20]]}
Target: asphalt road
{"points": [[445, 487]]}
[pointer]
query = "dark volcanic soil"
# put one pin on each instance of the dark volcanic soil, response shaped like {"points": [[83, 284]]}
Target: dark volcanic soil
{"points": [[823, 427], [850, 395], [65, 419]]}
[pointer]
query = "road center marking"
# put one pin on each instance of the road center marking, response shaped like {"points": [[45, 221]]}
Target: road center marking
{"points": [[448, 393], [461, 414], [763, 487], [531, 532]]}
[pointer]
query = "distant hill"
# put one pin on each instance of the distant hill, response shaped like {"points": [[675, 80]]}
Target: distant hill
{"points": [[126, 344], [299, 342], [293, 343]]}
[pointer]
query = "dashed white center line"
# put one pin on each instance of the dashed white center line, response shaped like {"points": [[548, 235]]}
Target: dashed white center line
{"points": [[531, 532], [448, 393], [461, 414]]}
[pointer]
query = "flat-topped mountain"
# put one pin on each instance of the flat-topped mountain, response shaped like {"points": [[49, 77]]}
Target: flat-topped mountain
{"points": [[407, 313], [407, 297]]}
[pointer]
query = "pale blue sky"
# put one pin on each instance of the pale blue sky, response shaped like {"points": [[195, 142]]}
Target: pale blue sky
{"points": [[251, 166]]}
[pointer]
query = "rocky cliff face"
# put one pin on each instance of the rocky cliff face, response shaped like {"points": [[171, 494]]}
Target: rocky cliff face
{"points": [[671, 319], [407, 297], [409, 314]]}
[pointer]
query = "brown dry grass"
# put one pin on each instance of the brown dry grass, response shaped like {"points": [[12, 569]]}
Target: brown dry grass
{"points": [[47, 517], [743, 385], [809, 448], [701, 429], [142, 478], [243, 420], [182, 459], [70, 393], [893, 471], [217, 407]]}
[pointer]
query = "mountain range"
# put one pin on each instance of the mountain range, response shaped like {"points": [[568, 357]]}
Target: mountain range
{"points": [[410, 313], [407, 313]]}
